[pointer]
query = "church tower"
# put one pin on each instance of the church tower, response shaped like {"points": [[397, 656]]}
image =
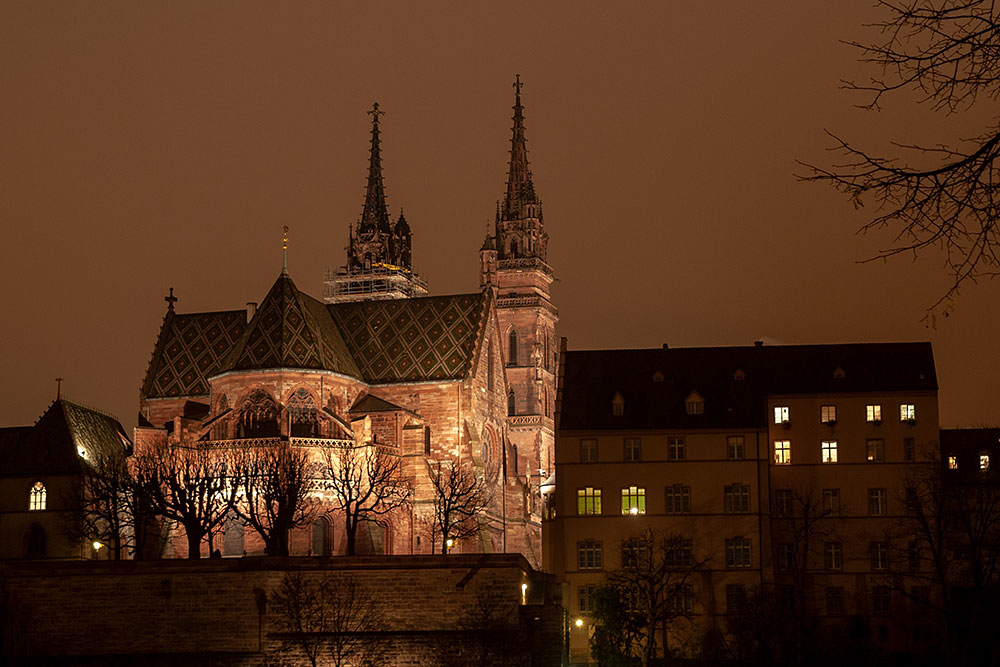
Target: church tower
{"points": [[513, 265], [379, 251]]}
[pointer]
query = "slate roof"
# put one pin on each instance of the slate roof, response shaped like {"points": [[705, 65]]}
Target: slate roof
{"points": [[409, 340], [51, 445], [592, 377], [190, 349], [394, 341]]}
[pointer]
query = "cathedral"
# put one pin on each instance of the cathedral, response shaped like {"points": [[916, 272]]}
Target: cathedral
{"points": [[468, 378]]}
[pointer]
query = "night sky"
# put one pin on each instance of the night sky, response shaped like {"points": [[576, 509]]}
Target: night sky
{"points": [[150, 145]]}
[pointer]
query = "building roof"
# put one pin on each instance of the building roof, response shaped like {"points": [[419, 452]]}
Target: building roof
{"points": [[413, 340], [368, 403], [55, 444], [392, 341], [733, 381]]}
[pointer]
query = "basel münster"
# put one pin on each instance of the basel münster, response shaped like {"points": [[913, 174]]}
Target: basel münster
{"points": [[466, 378]]}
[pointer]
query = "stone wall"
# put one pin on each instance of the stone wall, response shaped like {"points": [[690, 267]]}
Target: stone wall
{"points": [[436, 610]]}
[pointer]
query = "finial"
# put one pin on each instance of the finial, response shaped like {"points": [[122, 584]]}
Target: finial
{"points": [[284, 252], [170, 299], [59, 382], [375, 113], [517, 84]]}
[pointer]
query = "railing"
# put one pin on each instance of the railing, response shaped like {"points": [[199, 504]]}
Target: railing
{"points": [[270, 442], [528, 420], [524, 263]]}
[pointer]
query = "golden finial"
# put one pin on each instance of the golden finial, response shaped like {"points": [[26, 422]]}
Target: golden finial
{"points": [[284, 251], [284, 239]]}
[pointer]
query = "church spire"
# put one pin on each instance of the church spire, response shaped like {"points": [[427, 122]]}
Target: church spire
{"points": [[520, 189], [375, 215]]}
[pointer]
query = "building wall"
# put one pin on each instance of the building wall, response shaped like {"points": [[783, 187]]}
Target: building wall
{"points": [[217, 610]]}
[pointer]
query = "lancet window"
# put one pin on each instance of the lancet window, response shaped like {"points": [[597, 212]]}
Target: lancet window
{"points": [[258, 417], [302, 415]]}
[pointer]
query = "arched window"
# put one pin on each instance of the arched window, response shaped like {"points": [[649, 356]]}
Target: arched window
{"points": [[512, 348], [513, 248], [220, 430], [302, 415], [258, 417], [34, 546], [233, 540], [322, 537], [487, 447], [511, 403], [38, 497]]}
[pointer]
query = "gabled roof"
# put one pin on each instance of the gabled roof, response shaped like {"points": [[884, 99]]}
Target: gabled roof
{"points": [[369, 403], [54, 443], [412, 340], [190, 349], [291, 330], [592, 378]]}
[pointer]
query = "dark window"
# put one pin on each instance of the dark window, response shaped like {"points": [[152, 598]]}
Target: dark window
{"points": [[590, 555], [35, 542], [633, 449], [585, 594], [876, 502], [588, 450], [681, 601], [833, 556], [786, 556], [734, 447], [834, 601], [511, 403], [302, 416], [783, 502], [738, 552], [321, 537], [512, 348], [737, 497], [880, 600], [232, 538], [258, 417], [676, 450], [678, 499], [876, 451], [879, 552], [736, 595], [908, 449], [678, 554]]}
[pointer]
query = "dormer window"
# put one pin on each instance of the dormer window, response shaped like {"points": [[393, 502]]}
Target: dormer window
{"points": [[984, 461], [838, 373], [657, 376], [694, 404], [739, 375], [618, 405]]}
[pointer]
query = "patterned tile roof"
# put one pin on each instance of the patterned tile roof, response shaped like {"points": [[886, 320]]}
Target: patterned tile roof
{"points": [[190, 349], [409, 340], [291, 330]]}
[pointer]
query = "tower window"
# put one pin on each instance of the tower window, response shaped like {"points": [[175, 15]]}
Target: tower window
{"points": [[38, 497], [511, 403], [512, 348]]}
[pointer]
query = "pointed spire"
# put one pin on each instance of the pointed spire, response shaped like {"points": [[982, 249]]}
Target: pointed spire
{"points": [[375, 215], [170, 299], [520, 189], [284, 252]]}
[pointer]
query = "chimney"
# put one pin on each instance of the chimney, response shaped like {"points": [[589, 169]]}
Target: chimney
{"points": [[251, 309], [666, 346], [758, 343]]}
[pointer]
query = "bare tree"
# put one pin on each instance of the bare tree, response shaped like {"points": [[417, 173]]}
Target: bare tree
{"points": [[652, 589], [332, 619], [366, 482], [100, 503], [190, 486], [460, 498], [939, 194], [274, 482]]}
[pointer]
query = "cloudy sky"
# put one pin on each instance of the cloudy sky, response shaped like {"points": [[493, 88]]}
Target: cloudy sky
{"points": [[150, 145]]}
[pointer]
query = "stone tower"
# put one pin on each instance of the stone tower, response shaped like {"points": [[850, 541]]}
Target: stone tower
{"points": [[379, 251], [513, 265]]}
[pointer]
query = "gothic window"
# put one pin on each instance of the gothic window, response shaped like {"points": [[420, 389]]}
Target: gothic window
{"points": [[38, 497], [512, 348], [220, 430], [321, 537], [513, 248], [34, 546], [487, 447], [233, 536], [511, 403], [258, 417], [302, 415]]}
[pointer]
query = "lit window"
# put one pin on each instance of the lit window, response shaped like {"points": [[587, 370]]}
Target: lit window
{"points": [[880, 600], [876, 502], [831, 500], [585, 595], [694, 404], [782, 452], [952, 463], [678, 499], [783, 502], [833, 556], [590, 555], [618, 405], [38, 497], [678, 554], [829, 451], [876, 451], [633, 449], [984, 461], [879, 552], [908, 449], [735, 447], [780, 414], [828, 414], [633, 500], [907, 412], [786, 556], [588, 450], [676, 449], [834, 601], [736, 595], [588, 501], [874, 413], [738, 552], [737, 497]]}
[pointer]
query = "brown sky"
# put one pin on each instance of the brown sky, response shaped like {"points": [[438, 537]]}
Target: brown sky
{"points": [[149, 145]]}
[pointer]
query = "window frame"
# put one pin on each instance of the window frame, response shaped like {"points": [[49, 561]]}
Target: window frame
{"points": [[739, 553], [782, 453], [635, 496], [676, 448], [591, 552], [828, 414], [782, 414], [631, 449], [783, 503], [907, 412], [833, 556], [828, 451], [873, 413], [876, 450], [588, 450], [736, 498], [831, 500], [38, 497], [588, 499], [677, 495], [735, 447], [878, 502], [878, 552]]}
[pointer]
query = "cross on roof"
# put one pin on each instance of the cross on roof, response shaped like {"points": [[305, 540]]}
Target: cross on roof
{"points": [[170, 299], [375, 113]]}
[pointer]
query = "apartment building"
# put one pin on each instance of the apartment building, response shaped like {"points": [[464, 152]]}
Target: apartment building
{"points": [[776, 465]]}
